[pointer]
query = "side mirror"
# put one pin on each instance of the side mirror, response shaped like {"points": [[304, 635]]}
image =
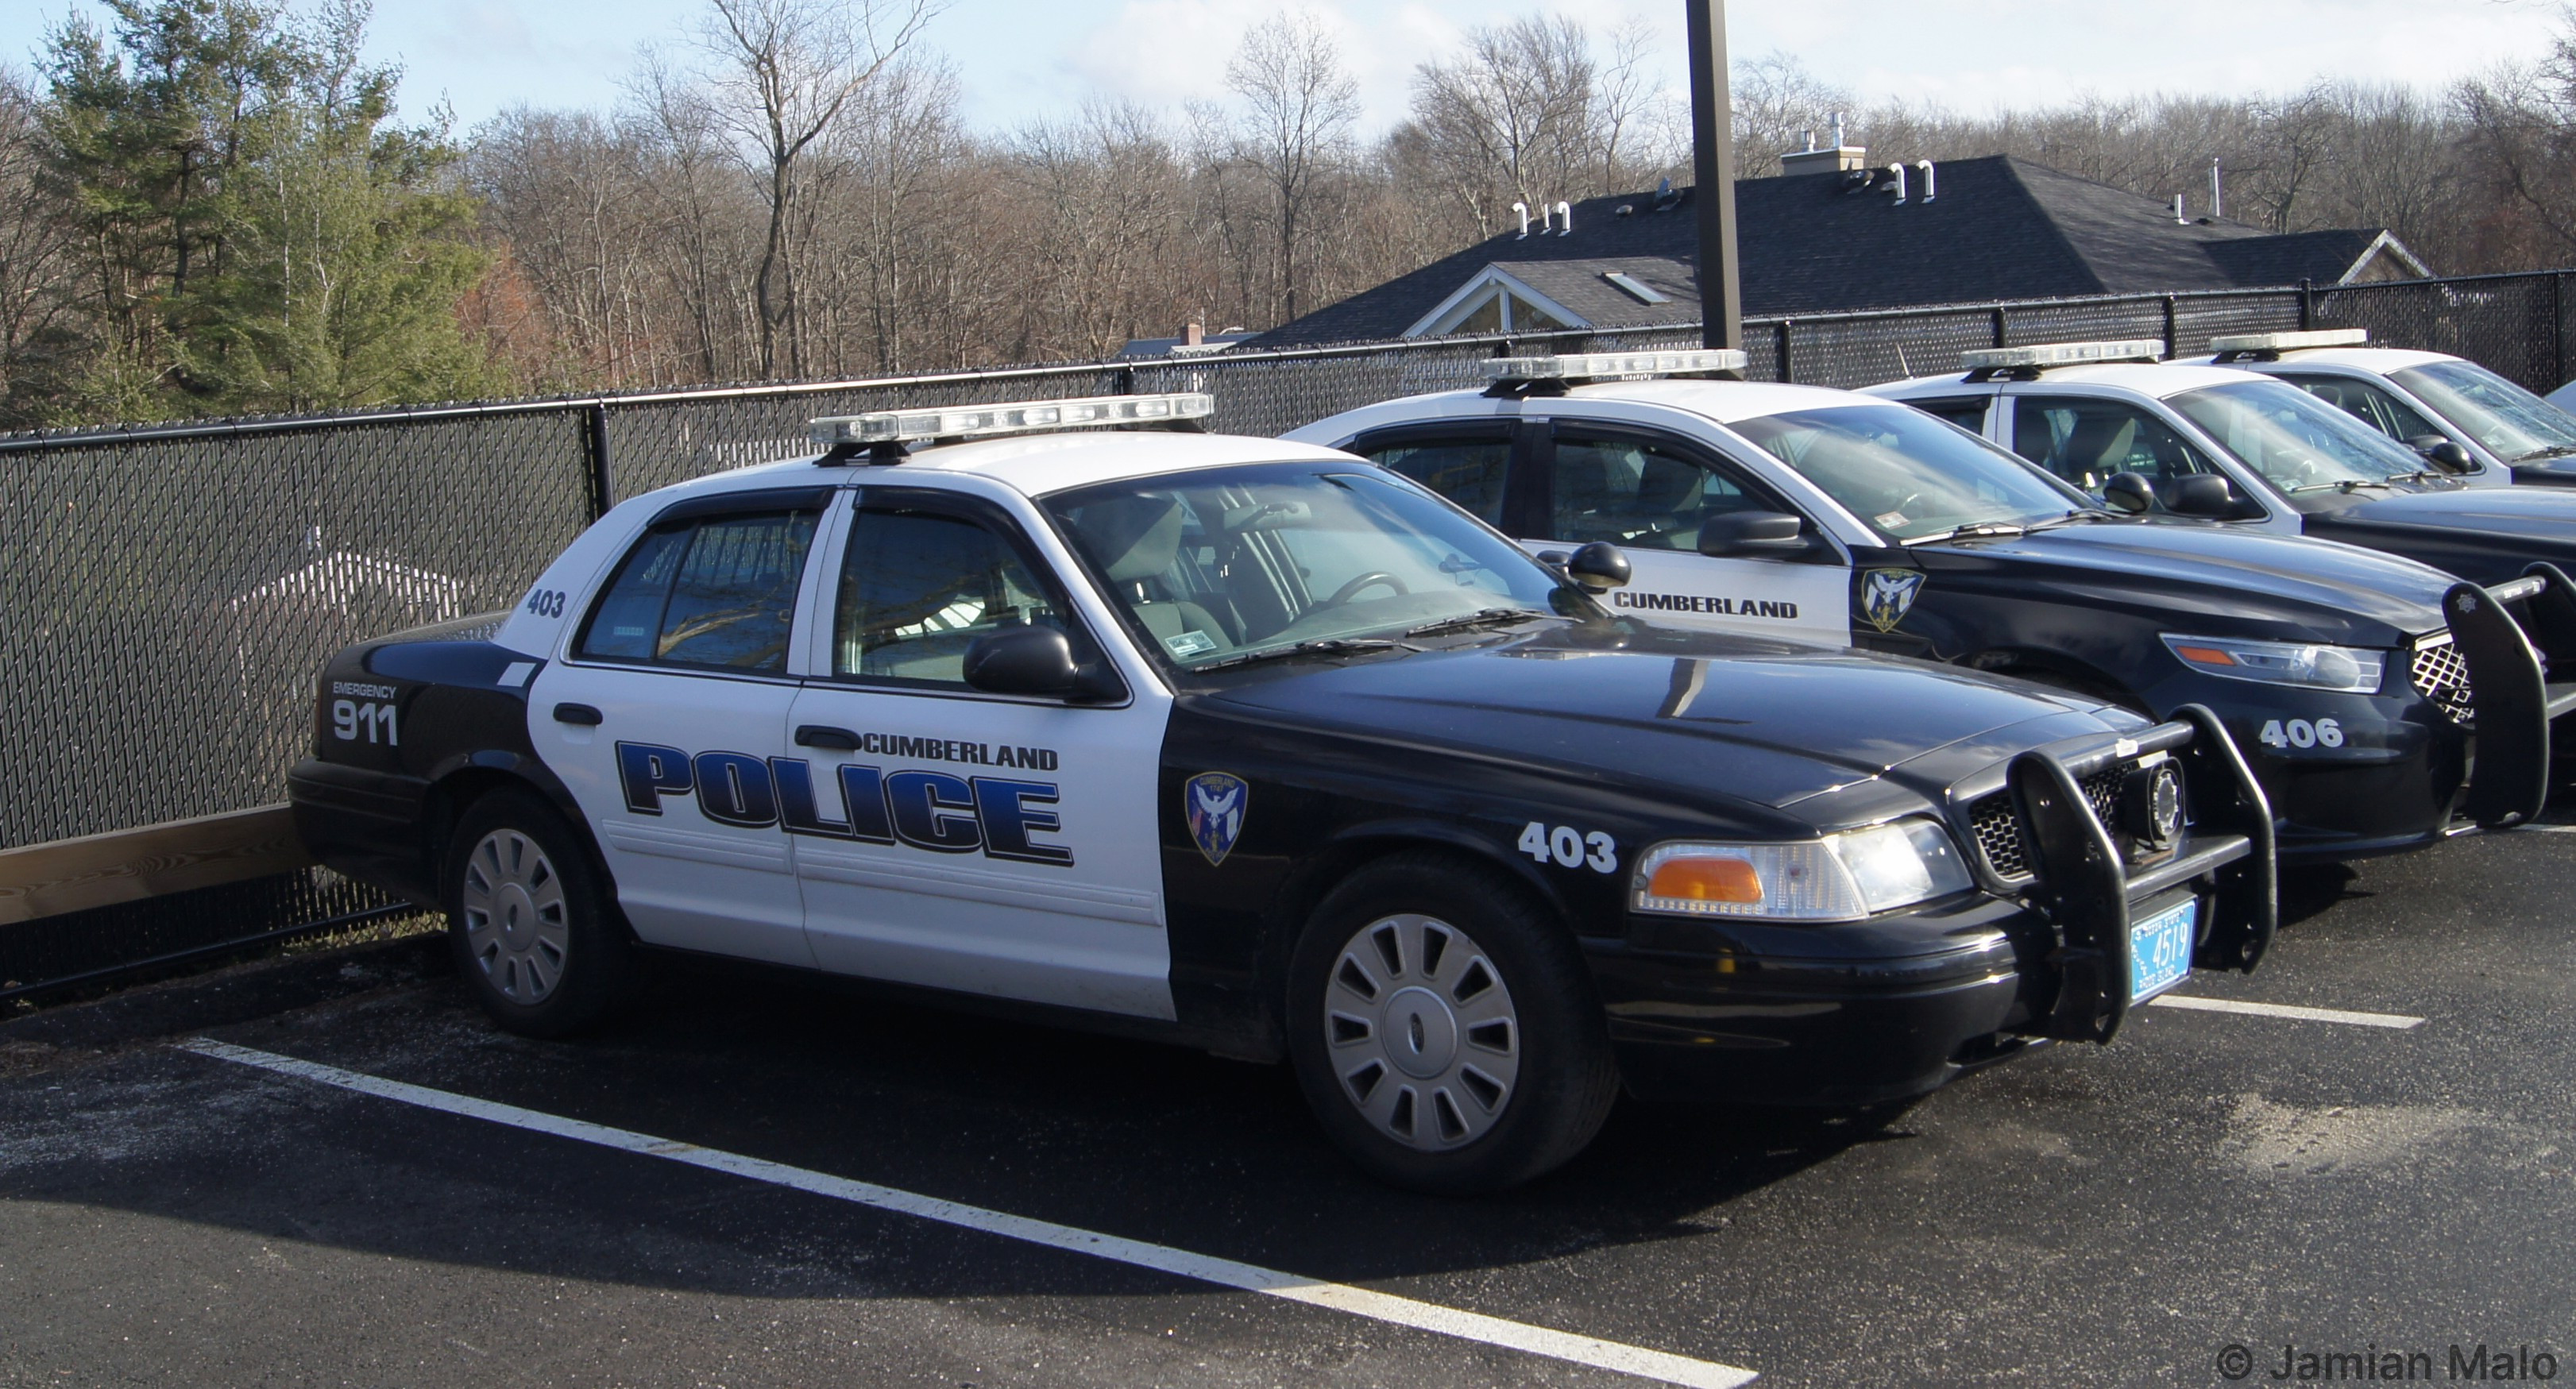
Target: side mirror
{"points": [[1599, 567], [2450, 458], [2129, 492], [1752, 534], [1028, 661], [2205, 495]]}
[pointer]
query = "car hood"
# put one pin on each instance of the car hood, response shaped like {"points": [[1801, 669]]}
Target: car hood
{"points": [[1709, 718], [2526, 523], [2234, 580]]}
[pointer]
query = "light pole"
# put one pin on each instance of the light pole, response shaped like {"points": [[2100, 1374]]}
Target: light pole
{"points": [[1721, 294]]}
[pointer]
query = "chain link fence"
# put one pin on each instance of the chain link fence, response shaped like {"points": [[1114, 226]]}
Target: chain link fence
{"points": [[170, 591]]}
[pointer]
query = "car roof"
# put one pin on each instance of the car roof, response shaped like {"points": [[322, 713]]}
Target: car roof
{"points": [[1722, 401], [1030, 464], [2381, 360], [2158, 379]]}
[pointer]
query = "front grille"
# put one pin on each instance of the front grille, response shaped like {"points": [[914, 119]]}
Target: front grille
{"points": [[1998, 827], [2442, 676], [1999, 836]]}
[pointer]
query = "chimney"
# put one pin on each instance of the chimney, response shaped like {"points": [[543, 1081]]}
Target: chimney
{"points": [[1842, 158], [1194, 335]]}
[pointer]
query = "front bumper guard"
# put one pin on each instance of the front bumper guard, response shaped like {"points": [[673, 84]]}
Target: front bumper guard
{"points": [[2511, 700], [2085, 887]]}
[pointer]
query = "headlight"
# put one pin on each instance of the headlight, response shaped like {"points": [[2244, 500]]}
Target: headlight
{"points": [[2352, 669], [1841, 877]]}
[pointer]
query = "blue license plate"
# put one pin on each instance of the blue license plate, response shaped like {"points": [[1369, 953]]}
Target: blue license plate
{"points": [[2160, 950]]}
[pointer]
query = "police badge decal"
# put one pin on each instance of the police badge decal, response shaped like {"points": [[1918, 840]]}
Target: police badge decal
{"points": [[1213, 803], [1887, 595]]}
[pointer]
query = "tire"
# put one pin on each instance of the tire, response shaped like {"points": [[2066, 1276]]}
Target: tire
{"points": [[535, 938], [1444, 1028]]}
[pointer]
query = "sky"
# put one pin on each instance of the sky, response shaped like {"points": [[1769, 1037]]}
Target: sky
{"points": [[1019, 61]]}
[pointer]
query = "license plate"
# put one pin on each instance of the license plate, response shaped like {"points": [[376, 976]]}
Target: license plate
{"points": [[2160, 950]]}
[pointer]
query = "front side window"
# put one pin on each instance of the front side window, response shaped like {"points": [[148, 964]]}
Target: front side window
{"points": [[1636, 494], [717, 592], [1234, 562], [2292, 438], [2512, 423], [919, 588], [2087, 442], [1469, 472], [2368, 404]]}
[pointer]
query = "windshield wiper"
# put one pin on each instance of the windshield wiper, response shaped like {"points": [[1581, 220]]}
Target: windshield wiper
{"points": [[2550, 451], [2004, 530], [1319, 646], [2346, 485], [1477, 618], [2088, 514]]}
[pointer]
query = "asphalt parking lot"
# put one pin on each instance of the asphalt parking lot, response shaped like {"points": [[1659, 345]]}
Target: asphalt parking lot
{"points": [[749, 1183]]}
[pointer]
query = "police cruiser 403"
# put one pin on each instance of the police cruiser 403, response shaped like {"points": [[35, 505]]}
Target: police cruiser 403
{"points": [[2350, 678], [1255, 746]]}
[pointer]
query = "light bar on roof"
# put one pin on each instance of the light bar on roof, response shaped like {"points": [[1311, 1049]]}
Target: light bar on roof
{"points": [[2064, 354], [2286, 342], [1023, 417], [1594, 366]]}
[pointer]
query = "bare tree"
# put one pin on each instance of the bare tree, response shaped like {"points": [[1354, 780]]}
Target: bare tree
{"points": [[1300, 104], [786, 70]]}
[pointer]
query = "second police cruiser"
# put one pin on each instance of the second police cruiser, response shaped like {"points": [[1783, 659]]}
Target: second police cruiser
{"points": [[2351, 679], [1253, 746]]}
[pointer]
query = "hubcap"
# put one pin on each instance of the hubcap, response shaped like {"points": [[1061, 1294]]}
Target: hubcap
{"points": [[515, 923], [1421, 1032]]}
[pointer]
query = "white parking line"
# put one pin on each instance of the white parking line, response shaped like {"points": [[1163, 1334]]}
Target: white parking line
{"points": [[2396, 1021], [1340, 1297]]}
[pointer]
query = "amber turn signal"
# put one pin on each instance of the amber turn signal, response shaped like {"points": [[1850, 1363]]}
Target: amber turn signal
{"points": [[1706, 880]]}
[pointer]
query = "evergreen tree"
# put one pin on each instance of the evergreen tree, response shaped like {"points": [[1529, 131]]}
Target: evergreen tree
{"points": [[261, 234]]}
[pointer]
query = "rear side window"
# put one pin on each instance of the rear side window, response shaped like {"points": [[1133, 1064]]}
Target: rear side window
{"points": [[717, 592], [1468, 472]]}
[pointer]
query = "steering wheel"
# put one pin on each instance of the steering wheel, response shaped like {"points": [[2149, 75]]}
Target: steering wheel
{"points": [[1352, 589]]}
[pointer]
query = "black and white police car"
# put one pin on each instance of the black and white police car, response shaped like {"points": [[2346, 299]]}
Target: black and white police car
{"points": [[2477, 425], [2351, 679], [1254, 746], [2222, 444]]}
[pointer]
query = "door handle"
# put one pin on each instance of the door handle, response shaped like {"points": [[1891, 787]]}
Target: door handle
{"points": [[816, 735], [582, 714]]}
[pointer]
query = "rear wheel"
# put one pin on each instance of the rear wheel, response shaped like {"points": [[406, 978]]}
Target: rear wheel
{"points": [[534, 937], [1444, 1030]]}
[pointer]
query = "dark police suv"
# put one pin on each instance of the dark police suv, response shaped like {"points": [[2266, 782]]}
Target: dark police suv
{"points": [[2351, 679], [1254, 746]]}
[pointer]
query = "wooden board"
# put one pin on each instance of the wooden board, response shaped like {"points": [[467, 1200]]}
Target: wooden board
{"points": [[69, 875]]}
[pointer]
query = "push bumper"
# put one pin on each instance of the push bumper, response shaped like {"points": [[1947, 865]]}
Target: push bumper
{"points": [[1856, 1018], [2512, 636]]}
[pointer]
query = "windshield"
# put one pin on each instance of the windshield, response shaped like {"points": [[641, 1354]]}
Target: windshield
{"points": [[2509, 421], [1907, 473], [1216, 565], [2291, 437]]}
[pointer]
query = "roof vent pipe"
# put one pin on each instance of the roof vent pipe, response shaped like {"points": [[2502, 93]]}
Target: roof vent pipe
{"points": [[1521, 210], [1810, 133], [2179, 215], [1838, 130], [1924, 166], [2216, 207], [1564, 218], [1896, 176]]}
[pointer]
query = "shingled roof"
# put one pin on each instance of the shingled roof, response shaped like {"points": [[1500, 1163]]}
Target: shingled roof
{"points": [[1997, 228]]}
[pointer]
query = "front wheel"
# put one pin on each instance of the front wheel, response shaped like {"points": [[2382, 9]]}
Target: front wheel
{"points": [[1444, 1030], [534, 936]]}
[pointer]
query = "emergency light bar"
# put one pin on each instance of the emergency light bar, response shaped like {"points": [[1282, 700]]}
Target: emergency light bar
{"points": [[2287, 342], [1593, 366], [2063, 354], [980, 421]]}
